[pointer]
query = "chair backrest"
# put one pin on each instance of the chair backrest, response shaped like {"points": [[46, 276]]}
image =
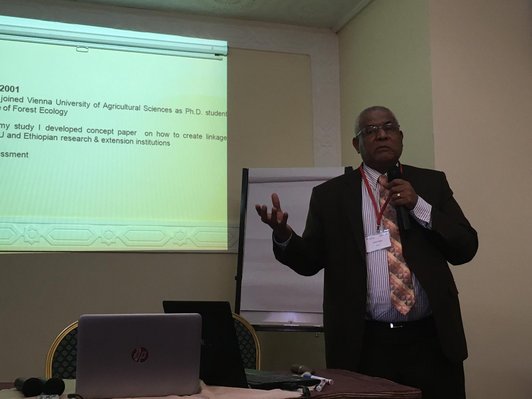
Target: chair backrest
{"points": [[61, 357], [248, 342]]}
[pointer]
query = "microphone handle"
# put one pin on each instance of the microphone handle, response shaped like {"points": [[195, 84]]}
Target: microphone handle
{"points": [[54, 386], [35, 386], [403, 218], [29, 386]]}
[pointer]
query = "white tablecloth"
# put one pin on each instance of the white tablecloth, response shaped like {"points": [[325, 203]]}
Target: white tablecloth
{"points": [[207, 392]]}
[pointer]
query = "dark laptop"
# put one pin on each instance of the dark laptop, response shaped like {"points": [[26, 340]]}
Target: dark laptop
{"points": [[221, 363]]}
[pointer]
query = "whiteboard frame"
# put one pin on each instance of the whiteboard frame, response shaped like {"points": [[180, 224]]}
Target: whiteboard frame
{"points": [[270, 295]]}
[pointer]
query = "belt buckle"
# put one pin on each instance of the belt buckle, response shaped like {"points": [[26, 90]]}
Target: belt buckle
{"points": [[396, 325]]}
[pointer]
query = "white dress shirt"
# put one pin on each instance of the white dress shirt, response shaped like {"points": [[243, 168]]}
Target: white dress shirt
{"points": [[379, 306]]}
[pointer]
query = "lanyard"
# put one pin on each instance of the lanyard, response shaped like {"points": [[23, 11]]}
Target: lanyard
{"points": [[378, 212]]}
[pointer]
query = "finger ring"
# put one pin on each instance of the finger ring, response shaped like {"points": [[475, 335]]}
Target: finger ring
{"points": [[398, 195]]}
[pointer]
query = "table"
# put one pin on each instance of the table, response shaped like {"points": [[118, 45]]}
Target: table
{"points": [[347, 385], [207, 392], [351, 385]]}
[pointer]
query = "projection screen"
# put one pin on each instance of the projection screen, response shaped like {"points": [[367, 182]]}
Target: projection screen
{"points": [[111, 140]]}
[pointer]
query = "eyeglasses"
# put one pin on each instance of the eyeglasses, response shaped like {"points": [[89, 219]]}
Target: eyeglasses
{"points": [[371, 130]]}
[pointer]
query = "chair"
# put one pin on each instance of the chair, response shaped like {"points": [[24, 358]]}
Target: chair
{"points": [[61, 357], [248, 342]]}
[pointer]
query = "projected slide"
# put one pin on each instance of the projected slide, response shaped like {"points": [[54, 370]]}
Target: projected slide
{"points": [[111, 140]]}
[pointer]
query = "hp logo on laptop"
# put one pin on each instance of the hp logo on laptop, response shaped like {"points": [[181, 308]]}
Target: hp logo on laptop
{"points": [[139, 354]]}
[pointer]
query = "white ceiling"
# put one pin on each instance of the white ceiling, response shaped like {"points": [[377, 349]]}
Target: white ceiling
{"points": [[326, 14]]}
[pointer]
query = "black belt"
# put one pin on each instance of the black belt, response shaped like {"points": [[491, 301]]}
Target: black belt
{"points": [[427, 322]]}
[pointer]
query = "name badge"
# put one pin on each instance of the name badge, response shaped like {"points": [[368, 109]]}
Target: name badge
{"points": [[378, 241]]}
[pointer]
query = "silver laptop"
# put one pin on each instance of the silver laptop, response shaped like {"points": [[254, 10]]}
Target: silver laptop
{"points": [[131, 355]]}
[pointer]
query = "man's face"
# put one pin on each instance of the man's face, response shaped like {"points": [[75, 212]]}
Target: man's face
{"points": [[381, 148]]}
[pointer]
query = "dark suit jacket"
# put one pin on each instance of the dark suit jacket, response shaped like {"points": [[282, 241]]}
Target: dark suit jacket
{"points": [[334, 240]]}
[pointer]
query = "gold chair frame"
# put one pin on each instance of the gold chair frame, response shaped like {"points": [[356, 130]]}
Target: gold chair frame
{"points": [[253, 333], [72, 326], [53, 348]]}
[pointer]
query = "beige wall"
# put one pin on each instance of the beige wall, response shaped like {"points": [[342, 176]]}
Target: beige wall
{"points": [[482, 96], [474, 61], [256, 82], [385, 60]]}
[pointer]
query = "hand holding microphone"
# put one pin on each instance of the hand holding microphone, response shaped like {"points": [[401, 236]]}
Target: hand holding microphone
{"points": [[403, 197]]}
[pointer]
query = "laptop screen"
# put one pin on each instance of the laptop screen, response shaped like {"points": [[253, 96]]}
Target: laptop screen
{"points": [[220, 363]]}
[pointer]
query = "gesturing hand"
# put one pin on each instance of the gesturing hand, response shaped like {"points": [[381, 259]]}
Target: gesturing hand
{"points": [[276, 219]]}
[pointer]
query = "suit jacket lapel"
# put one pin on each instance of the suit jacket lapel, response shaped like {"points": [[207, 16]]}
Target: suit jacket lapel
{"points": [[353, 205]]}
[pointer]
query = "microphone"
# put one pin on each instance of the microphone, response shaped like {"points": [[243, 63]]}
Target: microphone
{"points": [[300, 369], [54, 386], [402, 214], [35, 386], [29, 386]]}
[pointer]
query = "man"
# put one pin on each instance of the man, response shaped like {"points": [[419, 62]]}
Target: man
{"points": [[390, 305]]}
